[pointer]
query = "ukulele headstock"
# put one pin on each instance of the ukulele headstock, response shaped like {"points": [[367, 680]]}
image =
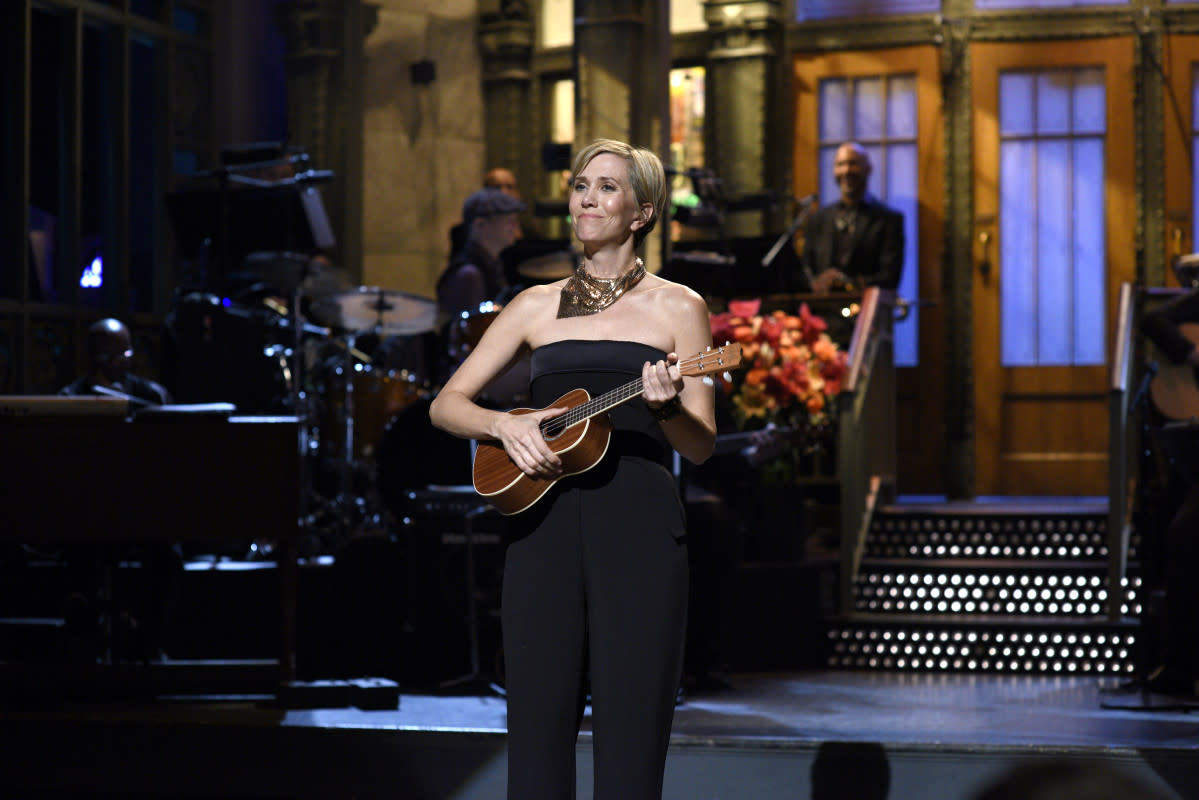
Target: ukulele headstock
{"points": [[714, 359]]}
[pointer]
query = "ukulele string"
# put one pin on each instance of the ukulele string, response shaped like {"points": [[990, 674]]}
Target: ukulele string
{"points": [[554, 427]]}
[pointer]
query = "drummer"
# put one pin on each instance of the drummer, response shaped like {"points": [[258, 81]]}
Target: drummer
{"points": [[474, 279], [475, 273]]}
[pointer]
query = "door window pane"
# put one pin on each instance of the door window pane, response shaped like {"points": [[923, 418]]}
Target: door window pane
{"points": [[144, 185], [835, 116], [1052, 270], [557, 23], [686, 136], [99, 250], [687, 16], [558, 151], [879, 112], [49, 194], [806, 10]]}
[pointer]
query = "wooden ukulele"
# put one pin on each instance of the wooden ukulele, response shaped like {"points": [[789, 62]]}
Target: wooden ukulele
{"points": [[1175, 388], [579, 436]]}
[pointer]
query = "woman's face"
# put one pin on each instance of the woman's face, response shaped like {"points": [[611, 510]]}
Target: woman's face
{"points": [[603, 206]]}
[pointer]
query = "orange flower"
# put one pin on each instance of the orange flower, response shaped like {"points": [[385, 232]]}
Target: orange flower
{"points": [[744, 334], [793, 369], [824, 349]]}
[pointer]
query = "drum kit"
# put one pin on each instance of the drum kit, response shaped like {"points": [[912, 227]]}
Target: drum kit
{"points": [[361, 372], [374, 376], [270, 327]]}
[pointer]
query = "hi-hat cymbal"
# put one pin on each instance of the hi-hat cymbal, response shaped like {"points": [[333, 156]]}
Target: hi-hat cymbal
{"points": [[372, 308], [549, 267]]}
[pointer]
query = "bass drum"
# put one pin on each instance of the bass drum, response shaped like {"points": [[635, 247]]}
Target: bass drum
{"points": [[414, 455], [378, 395]]}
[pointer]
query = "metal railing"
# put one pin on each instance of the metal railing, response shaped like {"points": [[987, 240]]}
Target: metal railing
{"points": [[866, 433], [1122, 448]]}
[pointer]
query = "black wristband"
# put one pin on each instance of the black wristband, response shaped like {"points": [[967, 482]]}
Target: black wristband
{"points": [[669, 410]]}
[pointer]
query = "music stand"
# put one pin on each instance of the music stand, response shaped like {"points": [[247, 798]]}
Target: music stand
{"points": [[237, 220]]}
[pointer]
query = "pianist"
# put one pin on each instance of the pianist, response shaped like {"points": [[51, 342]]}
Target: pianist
{"points": [[109, 354], [124, 620]]}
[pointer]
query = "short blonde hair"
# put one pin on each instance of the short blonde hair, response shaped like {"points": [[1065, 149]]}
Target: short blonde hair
{"points": [[647, 177]]}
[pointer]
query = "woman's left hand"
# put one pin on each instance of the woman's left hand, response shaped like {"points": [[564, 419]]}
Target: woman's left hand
{"points": [[662, 381]]}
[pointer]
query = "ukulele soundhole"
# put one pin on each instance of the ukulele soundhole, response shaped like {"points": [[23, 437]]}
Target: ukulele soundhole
{"points": [[553, 430]]}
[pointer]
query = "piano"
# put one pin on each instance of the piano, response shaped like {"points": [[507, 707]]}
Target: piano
{"points": [[76, 470], [91, 469]]}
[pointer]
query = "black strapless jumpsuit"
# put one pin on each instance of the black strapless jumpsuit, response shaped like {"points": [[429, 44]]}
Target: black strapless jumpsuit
{"points": [[595, 581]]}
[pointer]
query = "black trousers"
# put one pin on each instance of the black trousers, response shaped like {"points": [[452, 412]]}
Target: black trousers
{"points": [[595, 580]]}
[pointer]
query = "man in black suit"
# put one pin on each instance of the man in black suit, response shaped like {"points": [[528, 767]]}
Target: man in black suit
{"points": [[857, 241]]}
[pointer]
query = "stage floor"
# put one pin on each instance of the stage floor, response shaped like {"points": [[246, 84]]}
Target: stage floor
{"points": [[937, 736]]}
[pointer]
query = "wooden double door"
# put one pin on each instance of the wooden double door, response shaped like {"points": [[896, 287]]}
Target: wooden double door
{"points": [[1053, 233]]}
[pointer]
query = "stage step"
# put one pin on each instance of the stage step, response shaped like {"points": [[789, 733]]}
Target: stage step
{"points": [[1002, 588]]}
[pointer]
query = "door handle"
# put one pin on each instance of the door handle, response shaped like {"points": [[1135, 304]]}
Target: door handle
{"points": [[984, 264]]}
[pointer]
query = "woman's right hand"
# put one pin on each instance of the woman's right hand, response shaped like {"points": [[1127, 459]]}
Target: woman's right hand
{"points": [[526, 446]]}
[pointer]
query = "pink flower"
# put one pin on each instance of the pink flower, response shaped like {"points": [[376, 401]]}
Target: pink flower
{"points": [[744, 308]]}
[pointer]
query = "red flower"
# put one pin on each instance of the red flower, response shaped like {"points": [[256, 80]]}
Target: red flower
{"points": [[792, 368], [813, 325]]}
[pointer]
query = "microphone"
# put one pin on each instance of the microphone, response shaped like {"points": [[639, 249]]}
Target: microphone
{"points": [[804, 202], [314, 176]]}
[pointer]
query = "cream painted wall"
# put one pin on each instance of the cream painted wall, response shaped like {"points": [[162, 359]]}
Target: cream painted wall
{"points": [[423, 146]]}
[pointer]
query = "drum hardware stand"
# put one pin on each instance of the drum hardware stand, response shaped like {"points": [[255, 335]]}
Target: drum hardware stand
{"points": [[291, 365], [355, 514], [474, 682]]}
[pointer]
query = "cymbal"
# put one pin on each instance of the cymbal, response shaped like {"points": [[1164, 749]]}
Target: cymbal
{"points": [[372, 308], [549, 267]]}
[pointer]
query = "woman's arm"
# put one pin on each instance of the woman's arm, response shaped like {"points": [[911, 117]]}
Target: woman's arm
{"points": [[454, 409], [692, 431]]}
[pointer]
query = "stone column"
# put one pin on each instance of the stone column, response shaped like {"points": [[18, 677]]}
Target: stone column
{"points": [[506, 44], [746, 129], [622, 72], [324, 107]]}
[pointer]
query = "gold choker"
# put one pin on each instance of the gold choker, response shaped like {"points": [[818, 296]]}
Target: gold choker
{"points": [[584, 294]]}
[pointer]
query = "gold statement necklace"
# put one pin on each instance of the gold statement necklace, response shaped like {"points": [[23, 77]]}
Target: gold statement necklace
{"points": [[585, 294]]}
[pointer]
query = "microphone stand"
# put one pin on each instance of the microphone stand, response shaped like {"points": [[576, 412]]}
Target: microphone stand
{"points": [[805, 208]]}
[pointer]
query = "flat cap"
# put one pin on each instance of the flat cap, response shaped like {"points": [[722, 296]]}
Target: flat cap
{"points": [[490, 203]]}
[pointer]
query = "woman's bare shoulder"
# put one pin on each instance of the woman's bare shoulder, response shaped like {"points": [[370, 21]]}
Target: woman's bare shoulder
{"points": [[536, 297], [677, 297]]}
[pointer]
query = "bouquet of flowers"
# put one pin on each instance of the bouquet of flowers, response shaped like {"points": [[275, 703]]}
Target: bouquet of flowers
{"points": [[793, 369]]}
